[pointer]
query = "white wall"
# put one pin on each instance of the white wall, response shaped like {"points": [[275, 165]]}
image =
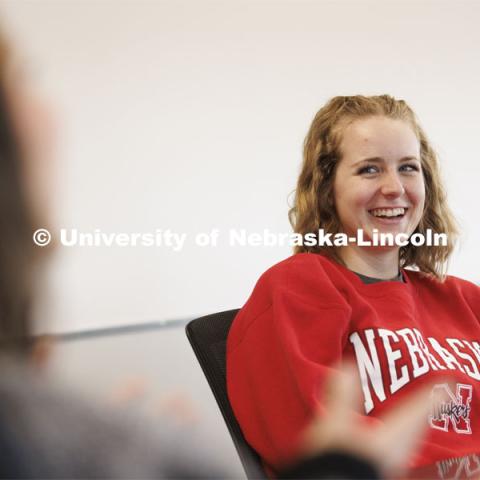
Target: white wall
{"points": [[190, 115]]}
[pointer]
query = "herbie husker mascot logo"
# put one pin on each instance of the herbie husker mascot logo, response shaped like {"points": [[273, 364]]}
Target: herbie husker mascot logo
{"points": [[454, 412]]}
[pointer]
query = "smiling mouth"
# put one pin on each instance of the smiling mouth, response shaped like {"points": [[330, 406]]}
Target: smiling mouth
{"points": [[388, 213]]}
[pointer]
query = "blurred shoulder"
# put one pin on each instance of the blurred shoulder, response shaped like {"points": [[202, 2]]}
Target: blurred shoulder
{"points": [[44, 424]]}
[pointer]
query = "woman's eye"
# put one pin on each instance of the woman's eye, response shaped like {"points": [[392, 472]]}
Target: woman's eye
{"points": [[409, 167], [368, 169]]}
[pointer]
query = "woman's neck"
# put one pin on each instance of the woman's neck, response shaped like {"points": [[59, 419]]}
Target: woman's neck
{"points": [[375, 263]]}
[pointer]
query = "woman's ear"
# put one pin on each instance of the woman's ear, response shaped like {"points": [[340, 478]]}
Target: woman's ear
{"points": [[41, 352]]}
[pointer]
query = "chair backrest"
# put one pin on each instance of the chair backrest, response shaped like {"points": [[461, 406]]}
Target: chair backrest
{"points": [[208, 338]]}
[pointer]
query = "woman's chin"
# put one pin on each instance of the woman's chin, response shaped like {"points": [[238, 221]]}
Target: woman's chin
{"points": [[382, 238]]}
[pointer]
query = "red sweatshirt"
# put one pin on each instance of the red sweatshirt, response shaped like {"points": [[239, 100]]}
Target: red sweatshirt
{"points": [[307, 313]]}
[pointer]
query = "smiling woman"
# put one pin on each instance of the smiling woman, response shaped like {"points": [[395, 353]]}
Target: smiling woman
{"points": [[386, 162], [368, 167]]}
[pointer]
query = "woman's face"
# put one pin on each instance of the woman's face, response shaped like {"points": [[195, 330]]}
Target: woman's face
{"points": [[379, 181]]}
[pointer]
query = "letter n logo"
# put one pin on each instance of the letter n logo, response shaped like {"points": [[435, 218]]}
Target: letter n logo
{"points": [[454, 411]]}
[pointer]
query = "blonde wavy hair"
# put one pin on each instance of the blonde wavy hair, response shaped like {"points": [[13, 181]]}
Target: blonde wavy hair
{"points": [[314, 207]]}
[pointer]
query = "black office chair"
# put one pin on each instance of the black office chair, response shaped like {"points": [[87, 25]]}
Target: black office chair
{"points": [[208, 338]]}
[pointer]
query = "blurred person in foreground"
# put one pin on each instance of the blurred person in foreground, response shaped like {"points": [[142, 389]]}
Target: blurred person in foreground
{"points": [[47, 432]]}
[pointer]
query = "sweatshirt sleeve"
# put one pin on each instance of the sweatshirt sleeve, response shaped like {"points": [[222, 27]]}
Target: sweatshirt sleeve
{"points": [[282, 345]]}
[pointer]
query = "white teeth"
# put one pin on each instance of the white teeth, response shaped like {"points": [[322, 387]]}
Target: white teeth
{"points": [[387, 212]]}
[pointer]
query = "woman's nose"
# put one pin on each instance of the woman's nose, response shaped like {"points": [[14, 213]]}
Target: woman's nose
{"points": [[392, 185]]}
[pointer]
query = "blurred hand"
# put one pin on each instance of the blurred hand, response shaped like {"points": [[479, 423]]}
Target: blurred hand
{"points": [[388, 443], [136, 393]]}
